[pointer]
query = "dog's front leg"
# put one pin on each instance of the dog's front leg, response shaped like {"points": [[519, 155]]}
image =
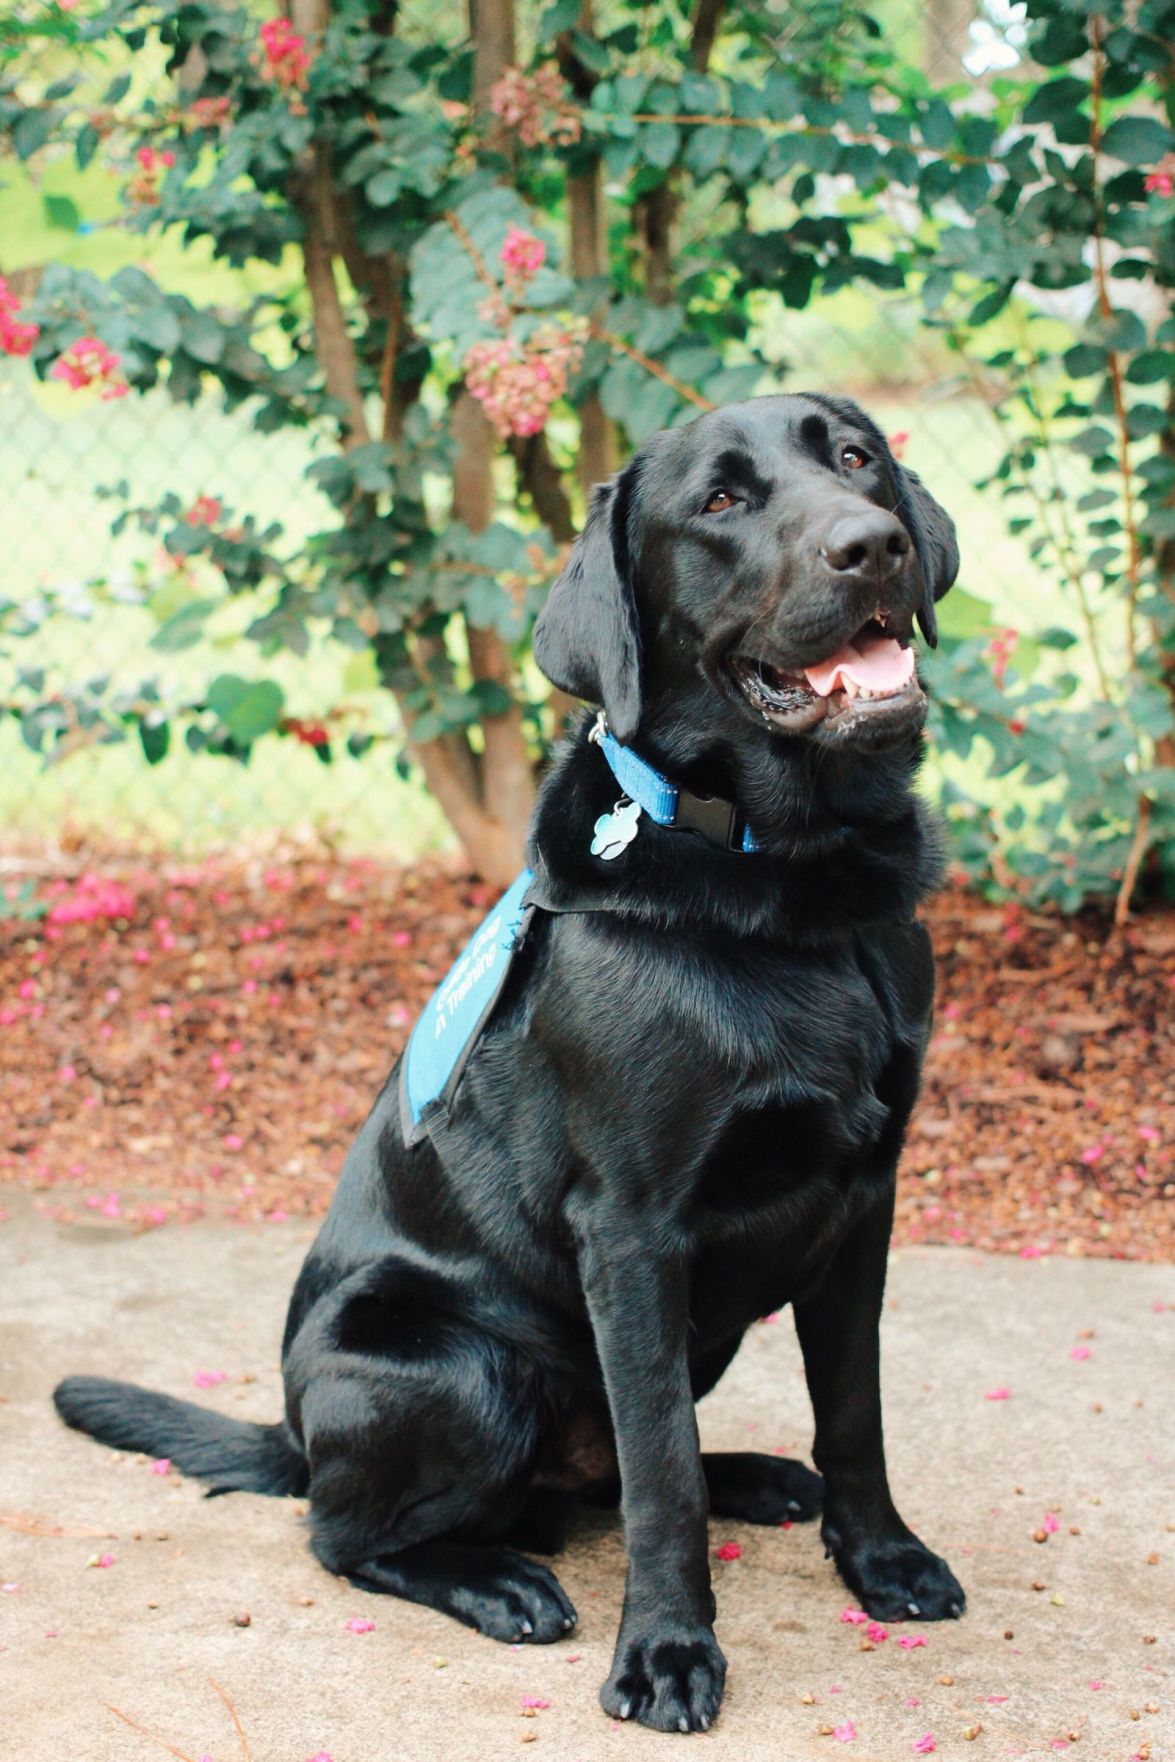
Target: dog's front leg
{"points": [[878, 1555], [668, 1671]]}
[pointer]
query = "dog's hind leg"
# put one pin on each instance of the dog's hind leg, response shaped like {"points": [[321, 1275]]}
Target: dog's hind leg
{"points": [[421, 1461], [761, 1489], [500, 1593]]}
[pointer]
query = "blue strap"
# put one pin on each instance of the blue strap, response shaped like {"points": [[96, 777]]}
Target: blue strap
{"points": [[643, 784]]}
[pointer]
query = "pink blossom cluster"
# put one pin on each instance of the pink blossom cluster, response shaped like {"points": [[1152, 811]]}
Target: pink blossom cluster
{"points": [[93, 896], [537, 105], [1001, 648], [284, 57], [204, 511], [1161, 180], [15, 338], [522, 256], [89, 362], [517, 383], [143, 188], [207, 113]]}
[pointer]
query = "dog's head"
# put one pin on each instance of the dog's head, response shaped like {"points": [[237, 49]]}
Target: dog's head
{"points": [[775, 551]]}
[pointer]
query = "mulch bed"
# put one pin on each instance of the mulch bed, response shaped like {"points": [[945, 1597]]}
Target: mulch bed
{"points": [[179, 1041]]}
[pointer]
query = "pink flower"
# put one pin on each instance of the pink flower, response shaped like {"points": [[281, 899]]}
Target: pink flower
{"points": [[924, 1746], [516, 383], [728, 1551], [208, 1379], [845, 1732], [359, 1624], [537, 105], [854, 1617], [1080, 1352], [204, 511], [88, 362], [898, 443], [284, 58], [908, 1642], [998, 1394], [1158, 183], [521, 257], [15, 338]]}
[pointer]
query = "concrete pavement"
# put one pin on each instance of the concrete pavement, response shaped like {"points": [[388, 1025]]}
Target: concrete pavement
{"points": [[1084, 1442]]}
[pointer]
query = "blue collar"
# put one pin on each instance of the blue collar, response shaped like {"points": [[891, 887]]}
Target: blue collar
{"points": [[667, 804]]}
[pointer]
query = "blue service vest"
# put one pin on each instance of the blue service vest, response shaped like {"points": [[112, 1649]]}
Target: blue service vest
{"points": [[447, 1032]]}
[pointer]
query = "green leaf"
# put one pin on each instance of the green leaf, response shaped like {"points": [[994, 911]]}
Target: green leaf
{"points": [[707, 148], [658, 143], [1058, 99], [184, 628], [1084, 359], [1137, 140], [383, 189], [154, 738], [61, 212], [34, 130], [247, 708]]}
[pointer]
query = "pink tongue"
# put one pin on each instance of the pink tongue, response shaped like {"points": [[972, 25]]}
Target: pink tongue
{"points": [[878, 664]]}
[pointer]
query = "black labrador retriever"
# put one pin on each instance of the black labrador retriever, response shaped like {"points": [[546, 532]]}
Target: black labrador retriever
{"points": [[686, 1103]]}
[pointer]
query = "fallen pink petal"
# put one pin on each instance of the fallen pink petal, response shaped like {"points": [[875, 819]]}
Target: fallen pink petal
{"points": [[908, 1642], [535, 1702], [998, 1394], [162, 1465], [728, 1551], [1081, 1352], [359, 1624], [208, 1379], [877, 1633], [854, 1617], [845, 1732], [925, 1745]]}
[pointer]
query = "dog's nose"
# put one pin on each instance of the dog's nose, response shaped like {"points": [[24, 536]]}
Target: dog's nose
{"points": [[871, 543]]}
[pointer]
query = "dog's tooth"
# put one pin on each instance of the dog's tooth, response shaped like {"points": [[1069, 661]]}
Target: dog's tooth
{"points": [[851, 688]]}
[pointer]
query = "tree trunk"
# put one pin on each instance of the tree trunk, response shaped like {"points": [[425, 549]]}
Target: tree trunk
{"points": [[507, 773], [487, 804]]}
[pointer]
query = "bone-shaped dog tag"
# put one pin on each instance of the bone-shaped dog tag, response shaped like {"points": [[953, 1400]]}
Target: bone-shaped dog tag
{"points": [[616, 830]]}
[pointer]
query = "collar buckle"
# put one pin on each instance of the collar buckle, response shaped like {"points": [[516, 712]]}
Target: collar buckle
{"points": [[717, 820]]}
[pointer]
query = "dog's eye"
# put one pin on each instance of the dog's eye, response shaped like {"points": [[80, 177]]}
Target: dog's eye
{"points": [[853, 457], [719, 502]]}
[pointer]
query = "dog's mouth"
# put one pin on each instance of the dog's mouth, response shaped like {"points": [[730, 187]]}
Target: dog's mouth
{"points": [[867, 686]]}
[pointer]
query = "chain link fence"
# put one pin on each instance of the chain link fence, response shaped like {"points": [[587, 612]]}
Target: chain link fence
{"points": [[61, 455]]}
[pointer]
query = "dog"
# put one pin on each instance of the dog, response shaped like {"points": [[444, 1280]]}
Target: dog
{"points": [[681, 1108]]}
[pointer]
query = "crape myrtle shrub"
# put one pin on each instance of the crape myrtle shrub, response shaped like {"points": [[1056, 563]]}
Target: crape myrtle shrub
{"points": [[517, 245]]}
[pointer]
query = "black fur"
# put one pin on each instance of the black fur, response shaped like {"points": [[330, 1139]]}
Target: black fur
{"points": [[685, 1112]]}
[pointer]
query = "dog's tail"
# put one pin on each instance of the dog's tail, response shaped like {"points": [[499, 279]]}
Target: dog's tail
{"points": [[232, 1455]]}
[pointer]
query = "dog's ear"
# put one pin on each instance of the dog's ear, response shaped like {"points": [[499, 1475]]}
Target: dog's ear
{"points": [[933, 533], [587, 639]]}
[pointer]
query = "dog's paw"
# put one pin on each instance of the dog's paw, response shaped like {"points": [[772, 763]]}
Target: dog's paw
{"points": [[671, 1681], [763, 1489], [517, 1600], [898, 1578]]}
